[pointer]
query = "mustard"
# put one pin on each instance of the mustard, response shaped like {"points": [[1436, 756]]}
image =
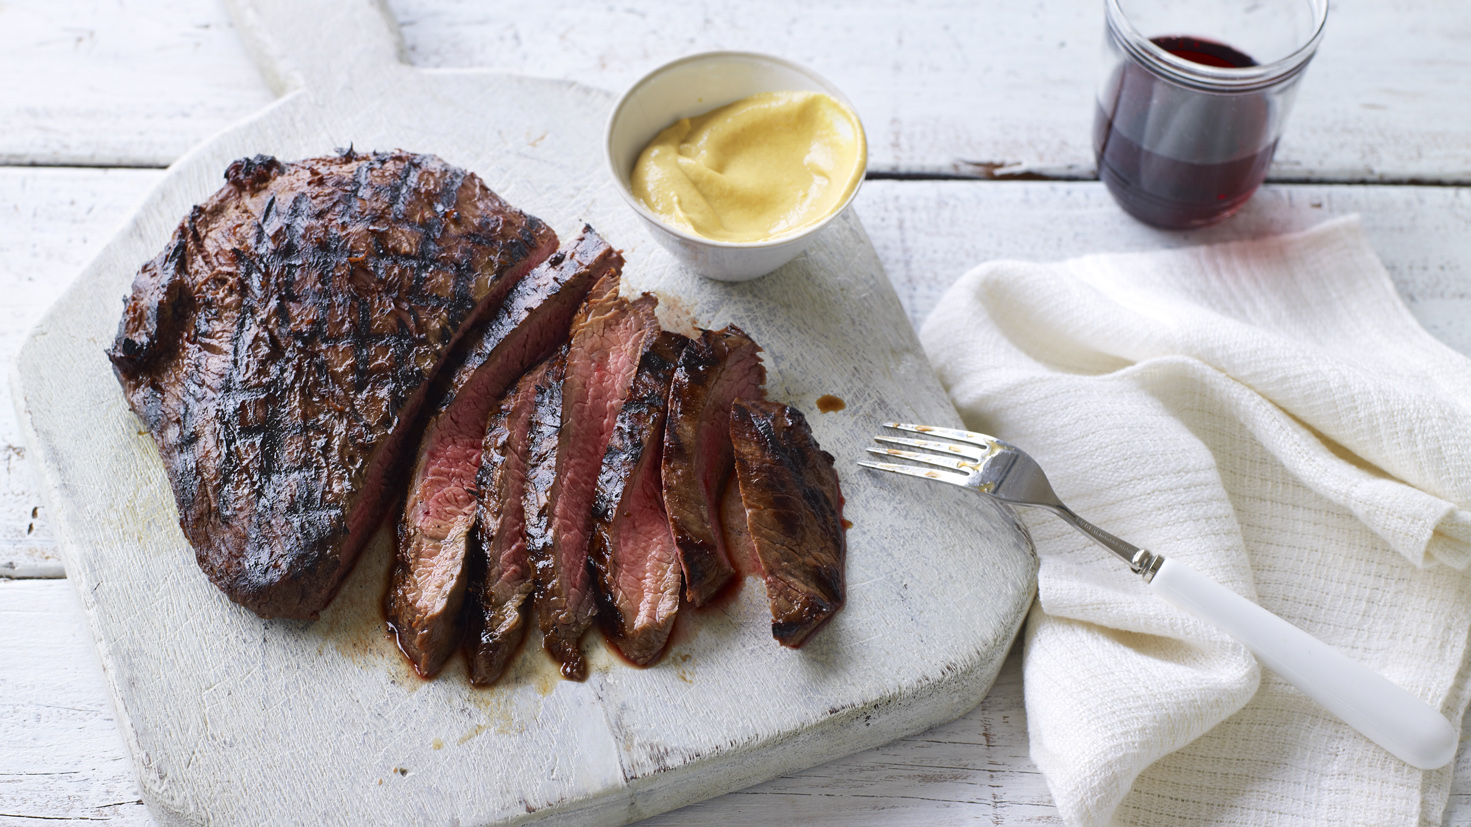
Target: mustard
{"points": [[755, 170]]}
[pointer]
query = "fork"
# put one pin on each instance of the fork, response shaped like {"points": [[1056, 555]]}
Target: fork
{"points": [[1386, 714]]}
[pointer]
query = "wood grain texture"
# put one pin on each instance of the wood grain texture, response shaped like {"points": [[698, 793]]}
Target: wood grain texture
{"points": [[54, 221], [62, 756], [106, 83], [947, 86], [205, 690], [929, 233], [943, 86]]}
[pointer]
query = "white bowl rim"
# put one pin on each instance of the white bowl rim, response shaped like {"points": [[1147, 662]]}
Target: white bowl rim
{"points": [[648, 214]]}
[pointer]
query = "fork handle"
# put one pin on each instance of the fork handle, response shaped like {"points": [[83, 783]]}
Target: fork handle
{"points": [[1365, 700]]}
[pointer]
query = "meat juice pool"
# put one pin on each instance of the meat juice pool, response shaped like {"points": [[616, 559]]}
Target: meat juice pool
{"points": [[1191, 162]]}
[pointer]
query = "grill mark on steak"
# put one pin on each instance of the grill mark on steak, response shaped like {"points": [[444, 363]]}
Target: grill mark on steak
{"points": [[793, 513], [500, 582], [608, 338], [280, 346], [429, 576], [718, 368], [632, 551]]}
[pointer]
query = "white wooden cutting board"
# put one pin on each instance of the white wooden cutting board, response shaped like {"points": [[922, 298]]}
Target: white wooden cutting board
{"points": [[235, 720]]}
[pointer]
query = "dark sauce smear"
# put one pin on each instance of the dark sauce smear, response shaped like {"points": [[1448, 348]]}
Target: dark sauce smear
{"points": [[1183, 166], [828, 403]]}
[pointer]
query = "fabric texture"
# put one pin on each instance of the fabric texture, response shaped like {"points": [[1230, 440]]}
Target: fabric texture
{"points": [[1270, 413]]}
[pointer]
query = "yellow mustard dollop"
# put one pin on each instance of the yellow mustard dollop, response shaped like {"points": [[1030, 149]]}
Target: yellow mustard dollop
{"points": [[756, 169]]}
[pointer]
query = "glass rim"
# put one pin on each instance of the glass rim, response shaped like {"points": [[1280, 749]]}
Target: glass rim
{"points": [[1214, 78]]}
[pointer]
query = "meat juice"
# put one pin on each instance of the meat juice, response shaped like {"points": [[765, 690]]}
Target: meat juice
{"points": [[1179, 158]]}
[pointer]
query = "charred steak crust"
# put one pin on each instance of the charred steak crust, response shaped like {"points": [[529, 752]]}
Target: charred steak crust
{"points": [[794, 514], [279, 347], [632, 552], [500, 583], [430, 576], [608, 338], [717, 368]]}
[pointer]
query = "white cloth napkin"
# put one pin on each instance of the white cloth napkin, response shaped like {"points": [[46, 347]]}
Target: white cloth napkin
{"points": [[1270, 413]]}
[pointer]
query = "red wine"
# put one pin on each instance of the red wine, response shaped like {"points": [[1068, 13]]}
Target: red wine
{"points": [[1205, 52], [1178, 158]]}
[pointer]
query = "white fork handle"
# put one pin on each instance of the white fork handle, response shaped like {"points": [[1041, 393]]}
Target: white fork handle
{"points": [[1365, 700]]}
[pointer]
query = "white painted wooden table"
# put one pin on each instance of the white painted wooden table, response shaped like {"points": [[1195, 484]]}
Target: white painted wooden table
{"points": [[99, 94]]}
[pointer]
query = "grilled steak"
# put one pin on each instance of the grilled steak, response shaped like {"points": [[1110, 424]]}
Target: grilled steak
{"points": [[501, 580], [429, 575], [718, 368], [737, 535], [542, 431], [632, 552], [279, 348], [794, 514], [608, 339]]}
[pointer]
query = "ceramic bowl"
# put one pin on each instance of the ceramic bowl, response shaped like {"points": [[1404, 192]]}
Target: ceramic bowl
{"points": [[692, 86]]}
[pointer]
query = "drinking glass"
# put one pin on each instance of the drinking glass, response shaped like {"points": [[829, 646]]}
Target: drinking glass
{"points": [[1193, 99]]}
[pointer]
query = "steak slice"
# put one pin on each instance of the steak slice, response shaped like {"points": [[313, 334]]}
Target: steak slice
{"points": [[715, 370], [280, 346], [429, 576], [737, 534], [542, 431], [608, 339], [794, 513], [501, 580], [632, 551]]}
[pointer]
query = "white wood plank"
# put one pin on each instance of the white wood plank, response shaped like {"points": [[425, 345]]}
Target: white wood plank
{"points": [[943, 86], [949, 86], [928, 233], [52, 222], [61, 756], [109, 83]]}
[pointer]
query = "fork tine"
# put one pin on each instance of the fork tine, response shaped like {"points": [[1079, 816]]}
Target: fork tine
{"points": [[946, 447], [949, 433], [955, 464], [927, 473]]}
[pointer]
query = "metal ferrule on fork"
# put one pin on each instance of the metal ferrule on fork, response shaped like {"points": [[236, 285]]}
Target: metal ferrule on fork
{"points": [[1145, 563]]}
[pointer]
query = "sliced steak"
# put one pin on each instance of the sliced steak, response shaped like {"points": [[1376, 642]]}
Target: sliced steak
{"points": [[794, 514], [542, 431], [280, 346], [608, 339], [429, 575], [736, 534], [632, 551], [718, 368], [500, 582]]}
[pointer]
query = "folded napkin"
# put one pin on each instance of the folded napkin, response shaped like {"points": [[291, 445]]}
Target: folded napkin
{"points": [[1270, 413]]}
